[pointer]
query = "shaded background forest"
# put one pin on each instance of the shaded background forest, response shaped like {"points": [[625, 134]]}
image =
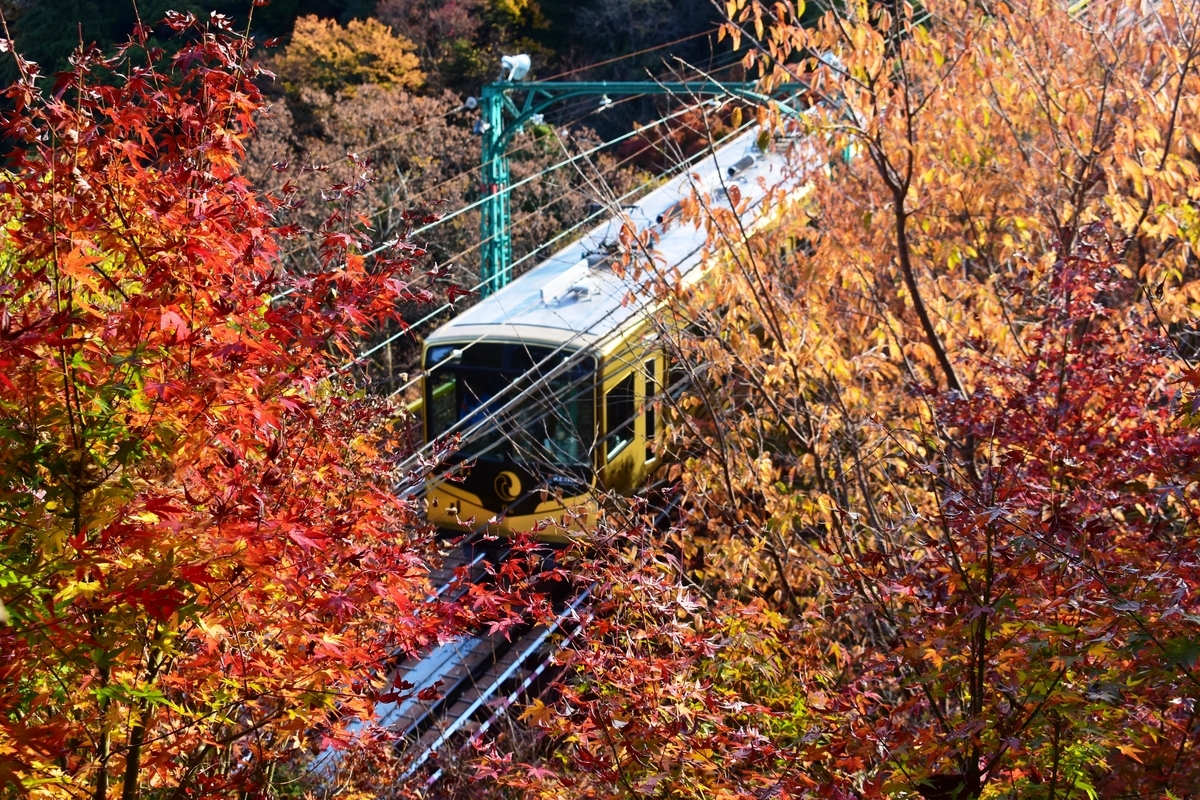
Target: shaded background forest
{"points": [[458, 40]]}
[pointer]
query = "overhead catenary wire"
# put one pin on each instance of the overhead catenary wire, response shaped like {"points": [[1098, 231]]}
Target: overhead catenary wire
{"points": [[634, 54], [464, 107], [430, 226], [465, 173], [557, 76], [575, 121], [481, 201], [424, 192], [408, 328], [484, 199]]}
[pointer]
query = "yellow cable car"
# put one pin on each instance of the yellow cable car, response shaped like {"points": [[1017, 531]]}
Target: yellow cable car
{"points": [[549, 386]]}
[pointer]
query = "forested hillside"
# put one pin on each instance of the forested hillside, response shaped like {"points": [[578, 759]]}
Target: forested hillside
{"points": [[457, 39]]}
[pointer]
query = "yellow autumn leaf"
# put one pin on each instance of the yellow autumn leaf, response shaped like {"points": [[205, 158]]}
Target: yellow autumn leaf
{"points": [[538, 713]]}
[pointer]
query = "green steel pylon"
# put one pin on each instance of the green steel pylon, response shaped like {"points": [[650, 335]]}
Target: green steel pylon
{"points": [[496, 248]]}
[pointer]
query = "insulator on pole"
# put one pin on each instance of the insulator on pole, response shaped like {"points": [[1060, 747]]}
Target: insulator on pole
{"points": [[517, 66]]}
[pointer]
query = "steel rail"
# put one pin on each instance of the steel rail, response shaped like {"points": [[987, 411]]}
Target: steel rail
{"points": [[495, 685]]}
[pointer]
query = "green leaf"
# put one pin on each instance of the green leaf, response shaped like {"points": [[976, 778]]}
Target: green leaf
{"points": [[1182, 651]]}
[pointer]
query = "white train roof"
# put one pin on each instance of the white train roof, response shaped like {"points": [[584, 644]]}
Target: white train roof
{"points": [[575, 297]]}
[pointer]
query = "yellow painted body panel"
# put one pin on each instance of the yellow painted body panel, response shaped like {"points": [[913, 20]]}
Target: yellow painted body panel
{"points": [[451, 508]]}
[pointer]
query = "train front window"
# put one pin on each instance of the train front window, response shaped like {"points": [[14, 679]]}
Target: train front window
{"points": [[512, 402]]}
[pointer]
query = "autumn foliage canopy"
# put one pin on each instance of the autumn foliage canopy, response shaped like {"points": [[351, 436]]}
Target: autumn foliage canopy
{"points": [[939, 458], [203, 566], [935, 483]]}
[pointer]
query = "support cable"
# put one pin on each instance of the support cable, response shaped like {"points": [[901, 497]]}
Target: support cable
{"points": [[526, 257], [728, 62], [634, 54], [507, 189]]}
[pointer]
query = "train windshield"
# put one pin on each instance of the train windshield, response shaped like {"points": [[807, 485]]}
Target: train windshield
{"points": [[513, 402]]}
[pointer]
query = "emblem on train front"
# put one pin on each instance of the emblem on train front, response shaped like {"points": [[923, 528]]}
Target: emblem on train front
{"points": [[507, 486]]}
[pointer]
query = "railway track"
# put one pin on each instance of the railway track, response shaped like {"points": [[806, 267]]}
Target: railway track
{"points": [[462, 688], [479, 679], [482, 686]]}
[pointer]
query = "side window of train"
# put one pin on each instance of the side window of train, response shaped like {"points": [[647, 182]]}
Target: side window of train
{"points": [[442, 401], [678, 376], [618, 415], [442, 405], [651, 416]]}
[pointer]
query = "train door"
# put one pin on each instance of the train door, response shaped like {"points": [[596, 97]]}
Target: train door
{"points": [[653, 378], [632, 421], [622, 449]]}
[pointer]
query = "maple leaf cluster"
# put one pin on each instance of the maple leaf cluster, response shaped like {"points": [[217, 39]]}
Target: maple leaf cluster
{"points": [[204, 571], [937, 490]]}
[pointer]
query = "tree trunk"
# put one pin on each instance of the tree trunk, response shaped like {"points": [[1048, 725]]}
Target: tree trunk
{"points": [[133, 762]]}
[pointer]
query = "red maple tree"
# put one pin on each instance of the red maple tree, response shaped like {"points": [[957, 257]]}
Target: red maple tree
{"points": [[203, 565]]}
